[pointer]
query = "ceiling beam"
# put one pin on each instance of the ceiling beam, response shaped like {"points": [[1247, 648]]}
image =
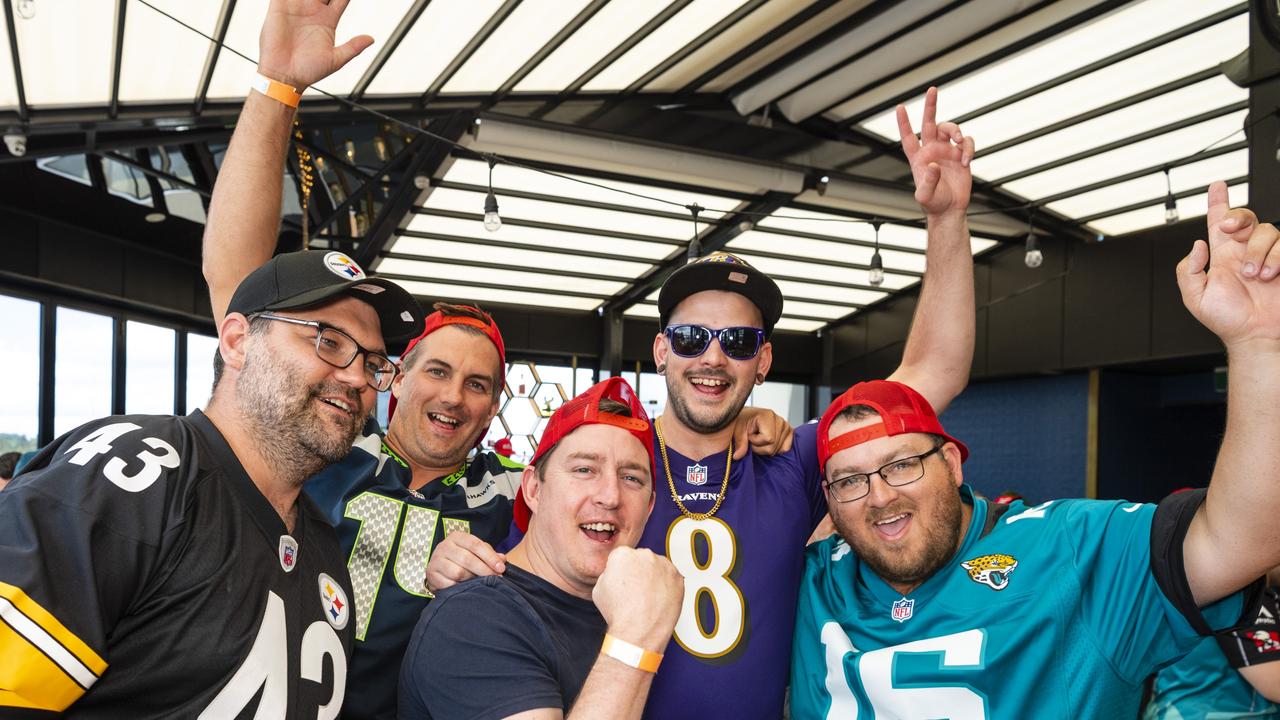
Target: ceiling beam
{"points": [[492, 24], [388, 49], [211, 59], [117, 57], [1141, 172], [711, 241], [545, 51], [1154, 202], [425, 161], [558, 227]]}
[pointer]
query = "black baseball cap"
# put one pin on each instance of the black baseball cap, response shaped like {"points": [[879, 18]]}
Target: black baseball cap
{"points": [[296, 280], [722, 271]]}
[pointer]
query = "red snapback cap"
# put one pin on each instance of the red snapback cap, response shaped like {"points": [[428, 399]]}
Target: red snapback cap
{"points": [[902, 410], [585, 410], [437, 320]]}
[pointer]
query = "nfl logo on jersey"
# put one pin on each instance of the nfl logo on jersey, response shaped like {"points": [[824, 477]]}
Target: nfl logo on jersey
{"points": [[902, 609], [696, 474], [288, 552]]}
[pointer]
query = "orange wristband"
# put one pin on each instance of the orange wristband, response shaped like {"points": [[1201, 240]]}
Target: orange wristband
{"points": [[633, 655], [276, 90]]}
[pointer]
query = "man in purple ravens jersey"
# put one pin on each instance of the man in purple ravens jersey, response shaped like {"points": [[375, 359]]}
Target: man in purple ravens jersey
{"points": [[737, 529]]}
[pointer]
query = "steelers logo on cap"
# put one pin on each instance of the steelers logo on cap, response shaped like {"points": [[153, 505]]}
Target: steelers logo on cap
{"points": [[342, 266]]}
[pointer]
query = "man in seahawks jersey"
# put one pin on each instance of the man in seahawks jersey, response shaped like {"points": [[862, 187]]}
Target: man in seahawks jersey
{"points": [[934, 603], [394, 497], [162, 567]]}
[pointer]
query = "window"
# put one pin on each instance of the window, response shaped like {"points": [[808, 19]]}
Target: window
{"points": [[20, 357], [200, 350], [82, 369], [72, 167], [149, 362]]}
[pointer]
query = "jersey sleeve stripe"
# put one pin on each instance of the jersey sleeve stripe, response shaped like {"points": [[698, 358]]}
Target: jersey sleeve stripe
{"points": [[41, 629]]}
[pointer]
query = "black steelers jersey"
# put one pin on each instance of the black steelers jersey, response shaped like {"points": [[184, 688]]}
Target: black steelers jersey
{"points": [[143, 575]]}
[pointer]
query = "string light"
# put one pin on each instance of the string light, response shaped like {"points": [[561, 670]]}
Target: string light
{"points": [[492, 221], [305, 179], [1170, 203], [876, 275], [1034, 258], [26, 9], [695, 245]]}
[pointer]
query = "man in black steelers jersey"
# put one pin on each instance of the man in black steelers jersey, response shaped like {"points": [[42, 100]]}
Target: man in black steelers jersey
{"points": [[167, 567]]}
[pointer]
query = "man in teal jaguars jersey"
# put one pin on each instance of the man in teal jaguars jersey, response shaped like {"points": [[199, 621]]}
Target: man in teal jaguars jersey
{"points": [[933, 603]]}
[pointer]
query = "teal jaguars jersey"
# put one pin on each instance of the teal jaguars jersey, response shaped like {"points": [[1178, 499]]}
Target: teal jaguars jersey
{"points": [[1052, 611]]}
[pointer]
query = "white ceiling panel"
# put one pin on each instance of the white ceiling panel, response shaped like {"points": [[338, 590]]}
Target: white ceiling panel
{"points": [[525, 31], [1151, 69], [542, 238], [719, 48], [662, 43], [1188, 207], [440, 33], [847, 295], [65, 50], [794, 325], [476, 172], [1184, 177], [232, 74], [1151, 152], [990, 42], [149, 35], [1147, 115], [1057, 56], [605, 31], [376, 19], [446, 272], [824, 250], [511, 257], [645, 310], [432, 289], [799, 268], [8, 85], [587, 218]]}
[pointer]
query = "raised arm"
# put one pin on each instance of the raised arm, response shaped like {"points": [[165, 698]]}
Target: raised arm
{"points": [[297, 48], [1234, 537], [939, 350]]}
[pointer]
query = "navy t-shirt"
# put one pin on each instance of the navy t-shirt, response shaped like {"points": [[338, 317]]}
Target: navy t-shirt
{"points": [[495, 646]]}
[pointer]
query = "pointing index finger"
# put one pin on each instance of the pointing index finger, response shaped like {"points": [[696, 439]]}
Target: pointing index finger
{"points": [[1219, 205]]}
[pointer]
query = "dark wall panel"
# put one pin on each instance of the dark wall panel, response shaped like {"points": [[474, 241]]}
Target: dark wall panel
{"points": [[1108, 303], [1024, 331], [1174, 332]]}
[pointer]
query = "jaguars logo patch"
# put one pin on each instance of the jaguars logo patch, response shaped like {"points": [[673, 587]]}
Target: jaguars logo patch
{"points": [[991, 570]]}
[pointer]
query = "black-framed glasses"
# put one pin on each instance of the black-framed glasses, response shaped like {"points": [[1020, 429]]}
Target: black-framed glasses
{"points": [[340, 349], [738, 343], [902, 471]]}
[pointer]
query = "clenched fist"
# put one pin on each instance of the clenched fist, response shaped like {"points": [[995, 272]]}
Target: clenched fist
{"points": [[639, 594]]}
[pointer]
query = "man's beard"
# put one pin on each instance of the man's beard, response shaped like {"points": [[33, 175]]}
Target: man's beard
{"points": [[707, 423], [286, 424], [941, 536]]}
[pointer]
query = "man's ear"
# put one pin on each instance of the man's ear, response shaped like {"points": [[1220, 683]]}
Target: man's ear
{"points": [[951, 455], [764, 360], [530, 486], [660, 350], [233, 339]]}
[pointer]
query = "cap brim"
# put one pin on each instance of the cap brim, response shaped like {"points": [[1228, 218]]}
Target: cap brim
{"points": [[399, 315], [691, 279]]}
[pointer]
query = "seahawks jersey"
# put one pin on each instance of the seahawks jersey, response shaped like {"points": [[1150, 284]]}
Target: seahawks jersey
{"points": [[388, 532], [1206, 683], [1055, 611], [729, 654], [143, 575]]}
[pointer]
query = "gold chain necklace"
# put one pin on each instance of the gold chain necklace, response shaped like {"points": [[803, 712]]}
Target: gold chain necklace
{"points": [[671, 483]]}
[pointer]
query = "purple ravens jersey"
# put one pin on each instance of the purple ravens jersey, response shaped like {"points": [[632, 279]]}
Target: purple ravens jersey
{"points": [[730, 654], [388, 532]]}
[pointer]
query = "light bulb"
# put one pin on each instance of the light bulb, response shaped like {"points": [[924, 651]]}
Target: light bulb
{"points": [[876, 275], [1170, 210], [492, 221], [1034, 258], [26, 9]]}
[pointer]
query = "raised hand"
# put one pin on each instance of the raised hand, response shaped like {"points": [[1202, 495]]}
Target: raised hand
{"points": [[939, 159], [1233, 298], [639, 594], [297, 45]]}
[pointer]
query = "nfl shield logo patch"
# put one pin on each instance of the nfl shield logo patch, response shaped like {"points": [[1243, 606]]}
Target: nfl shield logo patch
{"points": [[696, 474], [902, 609], [288, 553]]}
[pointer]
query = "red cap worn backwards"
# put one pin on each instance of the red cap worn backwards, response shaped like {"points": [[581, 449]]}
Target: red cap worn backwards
{"points": [[902, 410], [585, 410], [438, 319]]}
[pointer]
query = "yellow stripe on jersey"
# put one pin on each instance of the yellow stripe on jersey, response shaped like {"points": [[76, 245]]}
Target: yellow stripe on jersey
{"points": [[46, 666]]}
